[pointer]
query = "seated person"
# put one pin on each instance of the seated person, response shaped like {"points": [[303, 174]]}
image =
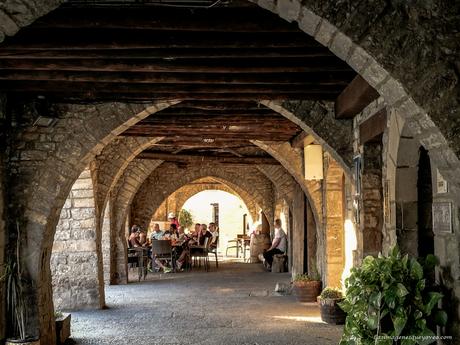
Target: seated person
{"points": [[134, 237], [157, 234], [203, 234], [215, 234], [143, 237], [278, 245], [192, 240]]}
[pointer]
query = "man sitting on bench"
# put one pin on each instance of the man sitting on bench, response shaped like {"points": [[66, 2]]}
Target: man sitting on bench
{"points": [[278, 245]]}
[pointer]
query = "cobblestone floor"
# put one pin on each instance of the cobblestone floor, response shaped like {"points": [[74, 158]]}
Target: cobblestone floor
{"points": [[234, 305]]}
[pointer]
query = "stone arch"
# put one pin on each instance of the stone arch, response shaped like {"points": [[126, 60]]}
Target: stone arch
{"points": [[80, 134], [321, 21], [76, 261], [146, 202], [186, 192]]}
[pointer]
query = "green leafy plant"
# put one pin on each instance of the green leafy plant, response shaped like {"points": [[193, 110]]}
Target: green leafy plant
{"points": [[15, 301], [387, 298], [58, 314], [185, 218], [331, 293], [305, 277]]}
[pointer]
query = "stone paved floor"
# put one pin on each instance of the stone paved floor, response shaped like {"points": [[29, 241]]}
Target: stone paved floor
{"points": [[234, 305]]}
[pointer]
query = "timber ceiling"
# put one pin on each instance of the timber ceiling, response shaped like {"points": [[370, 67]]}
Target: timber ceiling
{"points": [[218, 57], [154, 50]]}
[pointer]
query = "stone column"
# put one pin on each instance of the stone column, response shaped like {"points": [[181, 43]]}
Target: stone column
{"points": [[2, 246], [334, 206], [75, 260], [298, 233], [105, 245]]}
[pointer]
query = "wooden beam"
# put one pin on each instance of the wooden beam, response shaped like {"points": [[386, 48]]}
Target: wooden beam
{"points": [[251, 66], [64, 39], [162, 19], [201, 158], [168, 53], [354, 98], [339, 79], [298, 141], [373, 127]]}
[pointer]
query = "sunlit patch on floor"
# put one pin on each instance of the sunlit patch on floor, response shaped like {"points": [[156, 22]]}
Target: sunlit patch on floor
{"points": [[315, 319]]}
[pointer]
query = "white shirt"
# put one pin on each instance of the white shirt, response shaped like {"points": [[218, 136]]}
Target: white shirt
{"points": [[279, 233]]}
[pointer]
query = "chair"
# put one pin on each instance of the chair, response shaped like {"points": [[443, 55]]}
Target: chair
{"points": [[213, 250], [201, 252], [132, 256], [237, 246], [162, 250]]}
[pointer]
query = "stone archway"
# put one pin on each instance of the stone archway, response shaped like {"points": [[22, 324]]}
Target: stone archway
{"points": [[18, 15], [184, 193], [146, 202]]}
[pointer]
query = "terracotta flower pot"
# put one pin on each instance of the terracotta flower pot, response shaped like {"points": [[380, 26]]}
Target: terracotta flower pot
{"points": [[307, 291], [331, 312]]}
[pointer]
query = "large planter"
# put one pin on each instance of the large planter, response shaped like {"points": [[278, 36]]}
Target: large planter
{"points": [[331, 312], [306, 291], [30, 341], [63, 328], [257, 245]]}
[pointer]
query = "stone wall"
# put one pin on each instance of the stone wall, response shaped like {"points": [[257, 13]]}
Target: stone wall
{"points": [[75, 258]]}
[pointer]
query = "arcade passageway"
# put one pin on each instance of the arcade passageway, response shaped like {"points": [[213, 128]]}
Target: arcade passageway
{"points": [[234, 305], [340, 118]]}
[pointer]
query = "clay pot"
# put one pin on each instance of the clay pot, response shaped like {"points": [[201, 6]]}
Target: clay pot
{"points": [[257, 246], [331, 312], [306, 291]]}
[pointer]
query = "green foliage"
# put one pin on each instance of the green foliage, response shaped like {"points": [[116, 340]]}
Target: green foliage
{"points": [[15, 301], [389, 296], [331, 293], [185, 218], [304, 277]]}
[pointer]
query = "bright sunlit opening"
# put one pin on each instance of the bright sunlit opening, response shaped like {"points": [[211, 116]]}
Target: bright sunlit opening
{"points": [[350, 246]]}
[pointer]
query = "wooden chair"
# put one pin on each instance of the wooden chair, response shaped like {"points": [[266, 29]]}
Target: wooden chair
{"points": [[162, 250], [213, 250]]}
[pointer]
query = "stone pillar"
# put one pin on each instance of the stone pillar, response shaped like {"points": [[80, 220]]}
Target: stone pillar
{"points": [[298, 233], [311, 238], [105, 245], [75, 260], [118, 245], [335, 208], [2, 246], [372, 199], [406, 196]]}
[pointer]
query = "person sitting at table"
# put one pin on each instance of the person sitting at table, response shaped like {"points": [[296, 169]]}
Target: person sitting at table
{"points": [[181, 234], [157, 234], [203, 234], [134, 237], [215, 234], [173, 234], [142, 237], [195, 238]]}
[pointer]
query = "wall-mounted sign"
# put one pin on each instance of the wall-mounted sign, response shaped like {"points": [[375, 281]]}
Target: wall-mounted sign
{"points": [[442, 217], [441, 183]]}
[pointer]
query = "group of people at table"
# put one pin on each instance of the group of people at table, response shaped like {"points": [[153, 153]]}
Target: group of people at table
{"points": [[183, 244]]}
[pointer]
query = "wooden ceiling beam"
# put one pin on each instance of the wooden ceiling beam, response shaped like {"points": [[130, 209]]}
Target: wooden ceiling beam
{"points": [[220, 20], [251, 66], [167, 53], [301, 79], [201, 158], [354, 98], [31, 38]]}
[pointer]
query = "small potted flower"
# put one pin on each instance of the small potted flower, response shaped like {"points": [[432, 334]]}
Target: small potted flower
{"points": [[330, 311], [306, 287]]}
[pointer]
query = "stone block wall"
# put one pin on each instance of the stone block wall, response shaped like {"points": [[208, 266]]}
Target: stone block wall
{"points": [[2, 244], [74, 260]]}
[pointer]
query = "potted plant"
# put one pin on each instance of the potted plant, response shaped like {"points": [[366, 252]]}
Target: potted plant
{"points": [[306, 287], [328, 304], [390, 298], [16, 309], [62, 326]]}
